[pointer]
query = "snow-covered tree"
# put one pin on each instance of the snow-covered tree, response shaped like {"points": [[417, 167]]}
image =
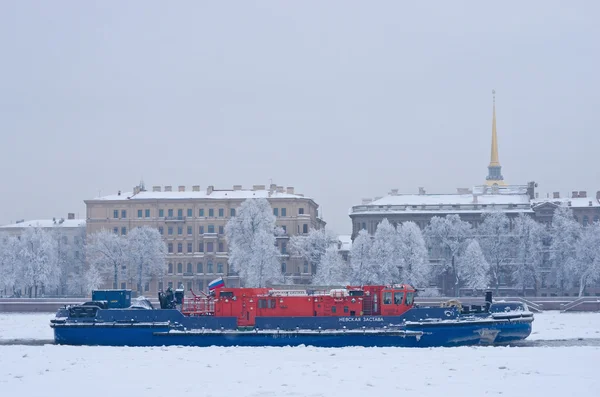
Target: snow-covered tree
{"points": [[413, 255], [312, 246], [448, 236], [145, 255], [385, 254], [565, 233], [331, 269], [473, 268], [586, 267], [38, 261], [251, 239], [494, 237], [9, 263], [528, 258], [107, 252], [361, 265]]}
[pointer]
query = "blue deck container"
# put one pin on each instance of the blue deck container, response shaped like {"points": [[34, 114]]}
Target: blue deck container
{"points": [[116, 298]]}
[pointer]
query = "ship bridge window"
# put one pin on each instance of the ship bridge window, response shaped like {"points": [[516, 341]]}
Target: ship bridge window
{"points": [[333, 309], [266, 303], [356, 293], [409, 298], [226, 294], [398, 296], [387, 298]]}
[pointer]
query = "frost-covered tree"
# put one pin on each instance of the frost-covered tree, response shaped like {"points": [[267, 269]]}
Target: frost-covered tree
{"points": [[528, 256], [251, 239], [473, 268], [565, 233], [145, 254], [38, 259], [449, 236], [413, 255], [331, 269], [361, 265], [586, 267], [108, 253], [9, 263], [494, 237], [312, 246], [385, 254]]}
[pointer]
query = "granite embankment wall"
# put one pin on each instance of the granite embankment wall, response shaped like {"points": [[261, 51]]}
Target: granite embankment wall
{"points": [[536, 304]]}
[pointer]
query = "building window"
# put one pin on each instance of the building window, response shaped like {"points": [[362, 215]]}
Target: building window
{"points": [[221, 230], [283, 267], [179, 247], [116, 214], [179, 268], [161, 230], [201, 230], [115, 230], [585, 220], [170, 284], [211, 229], [147, 214], [189, 247], [189, 268], [140, 212], [189, 230], [161, 213], [124, 214], [123, 285], [189, 285], [364, 226], [283, 248], [180, 213], [170, 212], [123, 231], [284, 229], [305, 228], [189, 212], [283, 212], [300, 211], [199, 268], [211, 212], [180, 230], [170, 247], [221, 212], [146, 287], [201, 247], [209, 267], [221, 247], [219, 268], [232, 212], [200, 285], [160, 285], [209, 247], [170, 230], [170, 268], [201, 212], [305, 267], [276, 211]]}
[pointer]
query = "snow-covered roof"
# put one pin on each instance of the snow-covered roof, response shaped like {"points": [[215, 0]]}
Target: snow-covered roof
{"points": [[346, 241], [451, 199], [215, 194], [47, 223], [577, 202]]}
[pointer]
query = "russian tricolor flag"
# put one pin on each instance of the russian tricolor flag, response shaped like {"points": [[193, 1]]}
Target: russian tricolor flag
{"points": [[218, 283]]}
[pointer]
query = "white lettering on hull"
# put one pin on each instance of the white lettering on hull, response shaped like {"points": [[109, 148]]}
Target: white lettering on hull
{"points": [[360, 319]]}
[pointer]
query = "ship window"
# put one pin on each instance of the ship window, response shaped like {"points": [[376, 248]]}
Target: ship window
{"points": [[398, 298], [262, 303], [272, 303], [226, 294], [409, 298], [333, 309], [387, 298], [345, 309]]}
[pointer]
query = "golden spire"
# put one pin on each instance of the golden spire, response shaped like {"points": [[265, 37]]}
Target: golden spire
{"points": [[494, 157]]}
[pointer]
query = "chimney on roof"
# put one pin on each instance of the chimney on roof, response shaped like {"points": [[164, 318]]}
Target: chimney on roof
{"points": [[71, 215], [421, 191], [273, 187], [168, 189], [574, 194], [556, 195], [258, 187], [237, 187], [366, 201], [290, 190], [136, 190], [582, 194], [590, 203], [280, 189], [209, 190], [181, 188], [196, 188], [156, 188], [394, 192]]}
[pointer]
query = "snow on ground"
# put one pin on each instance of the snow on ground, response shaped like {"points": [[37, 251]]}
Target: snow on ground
{"points": [[301, 371]]}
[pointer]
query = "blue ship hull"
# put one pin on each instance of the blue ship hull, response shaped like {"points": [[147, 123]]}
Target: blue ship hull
{"points": [[419, 327]]}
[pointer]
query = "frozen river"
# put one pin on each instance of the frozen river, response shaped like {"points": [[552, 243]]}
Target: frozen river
{"points": [[562, 361]]}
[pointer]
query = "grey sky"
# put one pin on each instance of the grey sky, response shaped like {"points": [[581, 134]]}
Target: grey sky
{"points": [[341, 99]]}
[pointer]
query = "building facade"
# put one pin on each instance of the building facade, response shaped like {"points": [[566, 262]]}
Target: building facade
{"points": [[192, 223]]}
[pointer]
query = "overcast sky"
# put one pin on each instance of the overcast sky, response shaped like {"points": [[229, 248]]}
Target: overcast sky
{"points": [[340, 99]]}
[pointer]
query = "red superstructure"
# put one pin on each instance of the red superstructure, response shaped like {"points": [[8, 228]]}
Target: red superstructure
{"points": [[248, 303]]}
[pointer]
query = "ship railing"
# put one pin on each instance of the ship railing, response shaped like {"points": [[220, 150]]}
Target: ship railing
{"points": [[198, 305]]}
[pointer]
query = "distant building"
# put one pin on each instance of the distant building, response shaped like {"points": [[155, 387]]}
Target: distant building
{"points": [[586, 209], [344, 246], [192, 223]]}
